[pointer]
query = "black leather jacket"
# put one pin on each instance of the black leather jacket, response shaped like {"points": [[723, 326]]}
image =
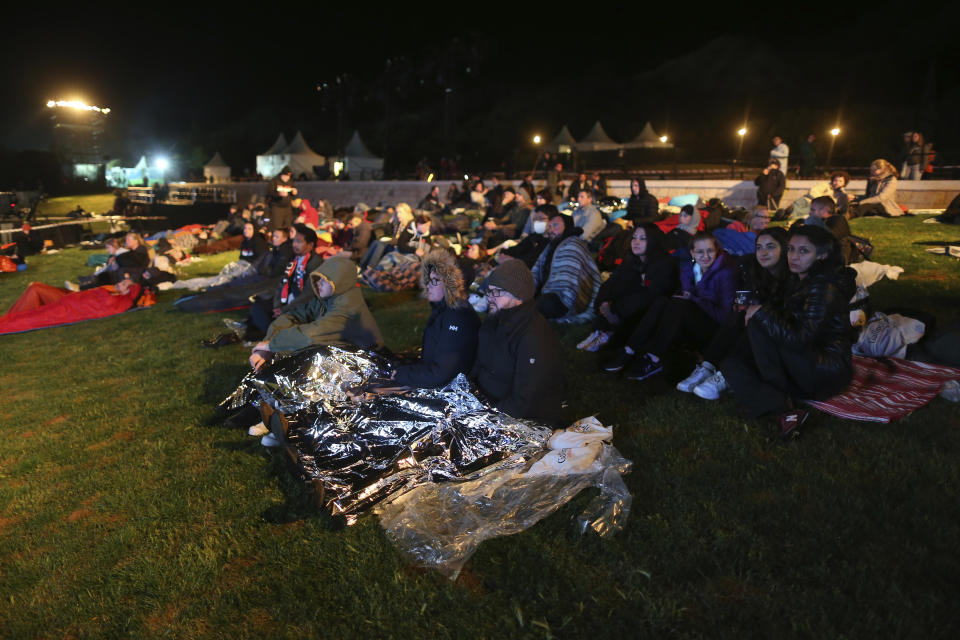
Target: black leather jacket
{"points": [[813, 319]]}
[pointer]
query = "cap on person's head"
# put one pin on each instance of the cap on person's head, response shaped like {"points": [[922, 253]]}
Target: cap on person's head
{"points": [[286, 171], [515, 278], [306, 232]]}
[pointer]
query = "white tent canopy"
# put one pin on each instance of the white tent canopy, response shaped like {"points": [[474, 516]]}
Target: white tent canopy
{"points": [[563, 143], [216, 169], [278, 146], [359, 161], [597, 140], [297, 155], [648, 138]]}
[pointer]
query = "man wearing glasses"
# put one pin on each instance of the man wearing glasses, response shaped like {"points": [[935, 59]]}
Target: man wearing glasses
{"points": [[519, 365]]}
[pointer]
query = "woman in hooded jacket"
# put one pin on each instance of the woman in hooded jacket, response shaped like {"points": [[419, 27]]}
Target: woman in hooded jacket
{"points": [[798, 347], [646, 274], [708, 286], [642, 207], [450, 336]]}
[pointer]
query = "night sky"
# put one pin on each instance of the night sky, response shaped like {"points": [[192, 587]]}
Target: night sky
{"points": [[197, 81]]}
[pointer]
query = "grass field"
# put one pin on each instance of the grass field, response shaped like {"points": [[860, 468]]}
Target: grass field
{"points": [[127, 510]]}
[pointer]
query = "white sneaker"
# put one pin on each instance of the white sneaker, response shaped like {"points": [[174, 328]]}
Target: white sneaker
{"points": [[69, 286], [712, 387], [602, 339], [585, 344], [270, 440], [700, 373], [258, 429]]}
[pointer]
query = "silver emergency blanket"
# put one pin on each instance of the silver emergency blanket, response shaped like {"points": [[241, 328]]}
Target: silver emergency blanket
{"points": [[447, 469]]}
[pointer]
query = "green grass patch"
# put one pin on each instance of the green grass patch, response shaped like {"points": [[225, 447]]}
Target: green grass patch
{"points": [[96, 203], [127, 510]]}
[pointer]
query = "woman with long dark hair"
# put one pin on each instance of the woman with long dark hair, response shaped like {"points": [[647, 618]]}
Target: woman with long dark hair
{"points": [[797, 348]]}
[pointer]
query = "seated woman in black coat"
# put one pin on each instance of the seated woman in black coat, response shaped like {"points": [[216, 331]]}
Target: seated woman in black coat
{"points": [[450, 337], [642, 206], [646, 274], [798, 348]]}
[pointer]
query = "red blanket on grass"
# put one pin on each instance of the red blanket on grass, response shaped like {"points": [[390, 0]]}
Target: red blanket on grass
{"points": [[887, 390], [43, 306]]}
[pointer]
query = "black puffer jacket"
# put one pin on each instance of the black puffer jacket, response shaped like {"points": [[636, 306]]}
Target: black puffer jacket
{"points": [[519, 365], [449, 348], [643, 207], [813, 319]]}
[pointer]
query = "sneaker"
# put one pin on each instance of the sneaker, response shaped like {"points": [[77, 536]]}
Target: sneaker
{"points": [[602, 339], [258, 429], [618, 361], [712, 387], [222, 340], [584, 344], [69, 286], [236, 326], [644, 368], [790, 423], [701, 373], [270, 440]]}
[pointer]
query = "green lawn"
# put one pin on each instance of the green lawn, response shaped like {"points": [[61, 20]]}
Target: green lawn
{"points": [[127, 510], [97, 203]]}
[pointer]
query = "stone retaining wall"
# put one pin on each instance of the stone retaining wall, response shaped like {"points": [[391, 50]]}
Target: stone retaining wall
{"points": [[932, 194]]}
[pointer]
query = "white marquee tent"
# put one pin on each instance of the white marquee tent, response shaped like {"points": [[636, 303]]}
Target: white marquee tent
{"points": [[216, 169], [297, 155], [359, 161]]}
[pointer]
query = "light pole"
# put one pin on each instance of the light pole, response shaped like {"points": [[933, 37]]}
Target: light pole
{"points": [[833, 138]]}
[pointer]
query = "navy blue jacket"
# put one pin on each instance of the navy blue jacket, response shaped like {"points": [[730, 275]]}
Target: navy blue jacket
{"points": [[449, 348]]}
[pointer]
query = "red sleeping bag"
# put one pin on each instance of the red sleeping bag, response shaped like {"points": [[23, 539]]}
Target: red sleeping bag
{"points": [[43, 306]]}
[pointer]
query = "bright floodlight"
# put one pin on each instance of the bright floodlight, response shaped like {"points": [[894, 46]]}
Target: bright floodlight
{"points": [[163, 164], [76, 104], [742, 131], [663, 138], [835, 131], [536, 139]]}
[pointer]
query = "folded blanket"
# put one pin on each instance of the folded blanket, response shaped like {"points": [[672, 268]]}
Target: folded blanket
{"points": [[889, 389]]}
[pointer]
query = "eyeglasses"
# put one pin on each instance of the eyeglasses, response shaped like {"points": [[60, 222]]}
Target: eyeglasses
{"points": [[495, 292]]}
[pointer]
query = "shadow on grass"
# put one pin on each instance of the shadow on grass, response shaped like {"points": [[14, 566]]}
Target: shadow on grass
{"points": [[219, 381], [301, 501]]}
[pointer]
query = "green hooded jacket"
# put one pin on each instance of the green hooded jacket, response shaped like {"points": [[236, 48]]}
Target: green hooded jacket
{"points": [[341, 319]]}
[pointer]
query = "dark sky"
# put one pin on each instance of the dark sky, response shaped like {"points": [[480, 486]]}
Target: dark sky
{"points": [[167, 72]]}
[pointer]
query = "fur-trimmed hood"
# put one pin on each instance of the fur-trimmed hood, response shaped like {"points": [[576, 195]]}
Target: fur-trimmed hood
{"points": [[444, 264]]}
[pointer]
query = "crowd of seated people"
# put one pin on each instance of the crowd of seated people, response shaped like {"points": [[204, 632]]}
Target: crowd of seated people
{"points": [[749, 314]]}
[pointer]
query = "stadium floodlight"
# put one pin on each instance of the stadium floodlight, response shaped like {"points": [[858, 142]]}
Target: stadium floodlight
{"points": [[75, 104], [162, 163]]}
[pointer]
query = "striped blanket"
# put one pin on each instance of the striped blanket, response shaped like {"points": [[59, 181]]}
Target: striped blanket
{"points": [[887, 390]]}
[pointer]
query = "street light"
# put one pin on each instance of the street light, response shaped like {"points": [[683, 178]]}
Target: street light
{"points": [[536, 157], [833, 138], [663, 139], [742, 131]]}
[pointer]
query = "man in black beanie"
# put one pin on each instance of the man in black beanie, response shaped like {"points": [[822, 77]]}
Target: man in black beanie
{"points": [[518, 366]]}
